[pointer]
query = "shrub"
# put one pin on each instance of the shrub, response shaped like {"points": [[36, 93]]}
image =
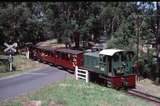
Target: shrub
{"points": [[147, 64]]}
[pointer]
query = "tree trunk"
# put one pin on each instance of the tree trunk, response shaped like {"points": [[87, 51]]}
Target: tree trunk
{"points": [[158, 43], [76, 39]]}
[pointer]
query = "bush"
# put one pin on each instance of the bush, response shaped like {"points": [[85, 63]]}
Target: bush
{"points": [[4, 65], [147, 65], [119, 43], [3, 68]]}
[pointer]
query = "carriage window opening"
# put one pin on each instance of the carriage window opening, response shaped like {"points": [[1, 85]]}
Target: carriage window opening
{"points": [[63, 55], [48, 53], [130, 55], [116, 58], [101, 57], [58, 54], [71, 58], [68, 56], [53, 54], [104, 59], [109, 63], [123, 57]]}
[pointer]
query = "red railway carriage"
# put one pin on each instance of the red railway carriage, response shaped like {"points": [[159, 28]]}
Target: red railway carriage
{"points": [[69, 58], [42, 53], [64, 57], [35, 52], [48, 55]]}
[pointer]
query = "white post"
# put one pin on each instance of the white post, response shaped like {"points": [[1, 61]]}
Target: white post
{"points": [[87, 76], [10, 64], [76, 72], [27, 54]]}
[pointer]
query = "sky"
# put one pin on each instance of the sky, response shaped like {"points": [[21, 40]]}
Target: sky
{"points": [[152, 2]]}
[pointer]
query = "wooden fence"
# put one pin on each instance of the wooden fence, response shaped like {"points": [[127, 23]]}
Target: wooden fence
{"points": [[82, 74]]}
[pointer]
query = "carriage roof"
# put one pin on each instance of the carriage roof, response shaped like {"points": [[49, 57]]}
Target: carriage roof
{"points": [[111, 52], [69, 51], [46, 48]]}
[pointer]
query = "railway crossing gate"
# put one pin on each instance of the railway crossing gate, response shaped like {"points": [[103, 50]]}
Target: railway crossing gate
{"points": [[10, 50]]}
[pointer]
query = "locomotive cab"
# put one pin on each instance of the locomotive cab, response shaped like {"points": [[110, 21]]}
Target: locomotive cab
{"points": [[116, 62], [117, 67], [105, 64]]}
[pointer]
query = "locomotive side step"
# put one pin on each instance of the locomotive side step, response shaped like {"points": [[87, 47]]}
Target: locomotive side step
{"points": [[109, 83]]}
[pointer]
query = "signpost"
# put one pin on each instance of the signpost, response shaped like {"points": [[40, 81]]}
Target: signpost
{"points": [[11, 49]]}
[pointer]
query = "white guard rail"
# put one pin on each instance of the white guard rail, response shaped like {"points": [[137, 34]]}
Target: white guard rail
{"points": [[82, 74]]}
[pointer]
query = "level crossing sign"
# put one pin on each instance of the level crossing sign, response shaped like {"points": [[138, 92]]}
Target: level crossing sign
{"points": [[10, 49]]}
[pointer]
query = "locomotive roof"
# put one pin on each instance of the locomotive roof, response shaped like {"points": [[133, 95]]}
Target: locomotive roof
{"points": [[110, 52], [69, 51], [94, 54]]}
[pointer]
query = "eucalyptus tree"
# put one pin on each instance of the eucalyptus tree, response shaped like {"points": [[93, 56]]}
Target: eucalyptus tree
{"points": [[22, 21], [73, 20], [119, 23]]}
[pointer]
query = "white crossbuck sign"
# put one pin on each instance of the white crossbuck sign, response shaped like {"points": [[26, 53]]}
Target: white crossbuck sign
{"points": [[10, 47]]}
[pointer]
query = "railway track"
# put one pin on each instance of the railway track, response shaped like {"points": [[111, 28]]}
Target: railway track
{"points": [[144, 96]]}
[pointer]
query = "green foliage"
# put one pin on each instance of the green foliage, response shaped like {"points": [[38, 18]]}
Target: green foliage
{"points": [[35, 21], [120, 43], [147, 63], [18, 22]]}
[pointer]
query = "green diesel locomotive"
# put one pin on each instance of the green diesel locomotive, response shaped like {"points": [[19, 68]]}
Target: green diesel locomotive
{"points": [[114, 65]]}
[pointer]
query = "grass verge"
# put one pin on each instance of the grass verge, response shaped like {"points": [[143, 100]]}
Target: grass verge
{"points": [[4, 74], [22, 64], [78, 93]]}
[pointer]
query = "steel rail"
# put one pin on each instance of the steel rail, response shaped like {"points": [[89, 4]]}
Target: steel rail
{"points": [[144, 95]]}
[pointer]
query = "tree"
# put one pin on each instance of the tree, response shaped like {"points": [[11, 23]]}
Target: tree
{"points": [[22, 22], [73, 20]]}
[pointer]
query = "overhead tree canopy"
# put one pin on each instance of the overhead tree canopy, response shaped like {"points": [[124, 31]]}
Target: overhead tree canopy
{"points": [[37, 21]]}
